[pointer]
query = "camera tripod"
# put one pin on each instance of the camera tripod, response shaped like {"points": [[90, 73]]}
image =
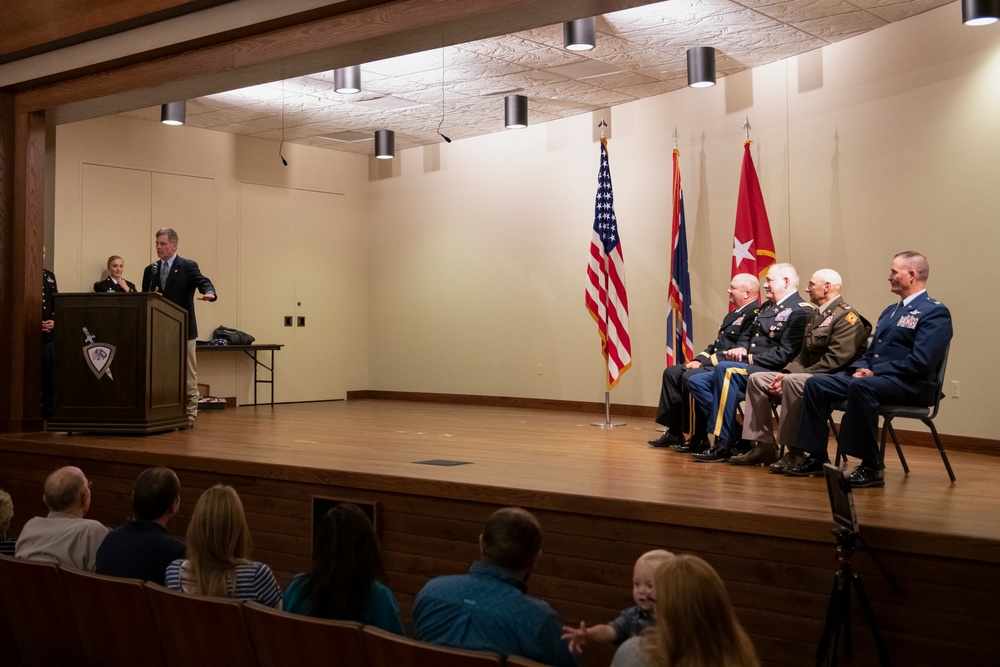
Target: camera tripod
{"points": [[838, 613]]}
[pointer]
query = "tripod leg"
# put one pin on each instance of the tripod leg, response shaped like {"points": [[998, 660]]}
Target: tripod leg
{"points": [[826, 651], [866, 608]]}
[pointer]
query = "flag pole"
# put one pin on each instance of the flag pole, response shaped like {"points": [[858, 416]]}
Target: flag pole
{"points": [[607, 423]]}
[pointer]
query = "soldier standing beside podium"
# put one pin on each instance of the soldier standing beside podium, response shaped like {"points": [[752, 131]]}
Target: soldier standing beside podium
{"points": [[48, 339], [177, 278]]}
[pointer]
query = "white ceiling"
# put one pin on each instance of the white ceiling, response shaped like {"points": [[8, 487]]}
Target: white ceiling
{"points": [[640, 53]]}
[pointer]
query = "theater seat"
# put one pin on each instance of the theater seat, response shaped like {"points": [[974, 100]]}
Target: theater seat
{"points": [[199, 631], [113, 618], [386, 649], [282, 639], [39, 617]]}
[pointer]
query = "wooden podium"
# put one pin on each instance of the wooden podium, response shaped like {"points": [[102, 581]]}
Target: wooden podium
{"points": [[121, 364]]}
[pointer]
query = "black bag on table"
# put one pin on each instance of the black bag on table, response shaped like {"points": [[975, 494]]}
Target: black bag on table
{"points": [[232, 336]]}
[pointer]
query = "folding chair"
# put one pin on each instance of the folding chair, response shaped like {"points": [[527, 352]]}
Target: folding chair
{"points": [[926, 414]]}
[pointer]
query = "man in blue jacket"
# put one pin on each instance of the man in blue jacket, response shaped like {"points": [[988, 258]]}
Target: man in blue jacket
{"points": [[489, 608], [900, 367]]}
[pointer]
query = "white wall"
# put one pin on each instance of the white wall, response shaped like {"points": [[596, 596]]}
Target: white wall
{"points": [[470, 256], [212, 235], [882, 143]]}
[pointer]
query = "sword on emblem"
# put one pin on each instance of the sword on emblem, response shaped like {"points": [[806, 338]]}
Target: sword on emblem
{"points": [[98, 355]]}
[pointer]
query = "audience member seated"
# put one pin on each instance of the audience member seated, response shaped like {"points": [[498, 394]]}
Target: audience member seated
{"points": [[6, 514], [695, 622], [64, 536], [218, 564], [633, 621], [489, 609], [343, 583], [142, 548]]}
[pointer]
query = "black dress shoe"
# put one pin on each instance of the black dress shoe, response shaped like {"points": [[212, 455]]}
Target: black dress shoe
{"points": [[694, 446], [810, 466], [792, 458], [668, 439], [866, 476], [714, 455]]}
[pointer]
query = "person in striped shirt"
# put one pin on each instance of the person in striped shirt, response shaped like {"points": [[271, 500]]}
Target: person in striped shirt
{"points": [[218, 562]]}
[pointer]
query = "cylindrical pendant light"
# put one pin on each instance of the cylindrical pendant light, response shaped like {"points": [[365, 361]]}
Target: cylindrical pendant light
{"points": [[980, 12], [515, 112], [173, 113], [701, 66], [580, 35], [385, 144], [347, 80]]}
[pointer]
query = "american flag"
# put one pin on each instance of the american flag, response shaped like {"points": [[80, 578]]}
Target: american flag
{"points": [[680, 330], [606, 299], [753, 247]]}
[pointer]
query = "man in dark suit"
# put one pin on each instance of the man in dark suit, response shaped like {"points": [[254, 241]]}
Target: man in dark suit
{"points": [[673, 411], [773, 339], [177, 278], [900, 367], [49, 290]]}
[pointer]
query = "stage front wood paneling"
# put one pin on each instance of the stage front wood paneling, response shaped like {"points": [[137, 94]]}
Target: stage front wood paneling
{"points": [[603, 497]]}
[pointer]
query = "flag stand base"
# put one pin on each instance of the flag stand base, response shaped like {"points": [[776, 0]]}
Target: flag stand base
{"points": [[607, 423]]}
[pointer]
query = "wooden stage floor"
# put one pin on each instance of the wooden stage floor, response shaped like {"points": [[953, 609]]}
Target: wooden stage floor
{"points": [[556, 452], [573, 474]]}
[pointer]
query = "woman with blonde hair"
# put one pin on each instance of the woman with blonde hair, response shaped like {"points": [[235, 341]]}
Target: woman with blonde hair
{"points": [[695, 622], [218, 543], [115, 282]]}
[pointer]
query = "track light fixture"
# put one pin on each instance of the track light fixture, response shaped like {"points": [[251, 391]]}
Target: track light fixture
{"points": [[980, 12], [173, 113], [385, 144], [701, 66], [580, 35], [515, 112], [347, 80]]}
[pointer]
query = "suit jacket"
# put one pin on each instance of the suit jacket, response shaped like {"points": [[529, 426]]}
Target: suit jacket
{"points": [[185, 277], [49, 289], [775, 337], [835, 337], [734, 324], [108, 285], [909, 342]]}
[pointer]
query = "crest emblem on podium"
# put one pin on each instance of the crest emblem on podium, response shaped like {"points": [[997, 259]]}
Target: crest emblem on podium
{"points": [[98, 355]]}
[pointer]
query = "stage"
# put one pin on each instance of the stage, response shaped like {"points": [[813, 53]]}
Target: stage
{"points": [[603, 497]]}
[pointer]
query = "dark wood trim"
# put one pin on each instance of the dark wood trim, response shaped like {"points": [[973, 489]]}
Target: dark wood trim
{"points": [[21, 242], [958, 443], [46, 26]]}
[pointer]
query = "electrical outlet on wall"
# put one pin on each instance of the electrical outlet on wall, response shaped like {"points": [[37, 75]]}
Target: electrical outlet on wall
{"points": [[954, 388]]}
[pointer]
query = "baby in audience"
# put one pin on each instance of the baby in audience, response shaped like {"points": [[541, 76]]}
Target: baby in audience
{"points": [[632, 621]]}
